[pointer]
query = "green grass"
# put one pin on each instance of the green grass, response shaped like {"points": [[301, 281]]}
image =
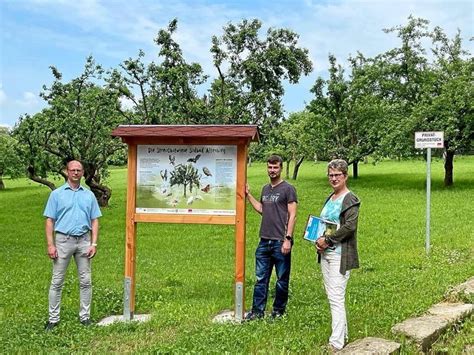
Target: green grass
{"points": [[185, 273]]}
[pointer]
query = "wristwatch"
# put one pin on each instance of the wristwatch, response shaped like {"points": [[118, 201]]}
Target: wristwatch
{"points": [[290, 238], [328, 241]]}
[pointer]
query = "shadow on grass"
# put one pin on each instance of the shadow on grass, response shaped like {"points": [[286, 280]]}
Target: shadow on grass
{"points": [[396, 181], [406, 181], [20, 189]]}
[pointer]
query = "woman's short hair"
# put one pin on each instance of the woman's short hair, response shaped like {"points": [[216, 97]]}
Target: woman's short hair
{"points": [[338, 164], [275, 159]]}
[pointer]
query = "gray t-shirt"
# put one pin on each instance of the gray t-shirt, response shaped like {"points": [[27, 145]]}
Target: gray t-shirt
{"points": [[275, 202]]}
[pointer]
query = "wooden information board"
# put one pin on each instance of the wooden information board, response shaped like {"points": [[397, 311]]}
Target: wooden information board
{"points": [[186, 174]]}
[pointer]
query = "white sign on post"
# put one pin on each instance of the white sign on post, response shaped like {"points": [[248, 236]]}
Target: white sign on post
{"points": [[429, 140]]}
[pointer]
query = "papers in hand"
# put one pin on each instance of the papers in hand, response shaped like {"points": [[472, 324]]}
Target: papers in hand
{"points": [[316, 226]]}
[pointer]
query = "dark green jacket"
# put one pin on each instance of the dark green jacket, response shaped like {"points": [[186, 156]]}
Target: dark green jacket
{"points": [[347, 233]]}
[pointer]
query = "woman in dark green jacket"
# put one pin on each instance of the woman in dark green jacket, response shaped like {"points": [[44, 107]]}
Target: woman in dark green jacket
{"points": [[337, 252]]}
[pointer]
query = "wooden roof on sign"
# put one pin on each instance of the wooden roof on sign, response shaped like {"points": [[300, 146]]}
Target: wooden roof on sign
{"points": [[188, 131]]}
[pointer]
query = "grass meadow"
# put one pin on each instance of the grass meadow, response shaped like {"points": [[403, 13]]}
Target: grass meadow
{"points": [[185, 272]]}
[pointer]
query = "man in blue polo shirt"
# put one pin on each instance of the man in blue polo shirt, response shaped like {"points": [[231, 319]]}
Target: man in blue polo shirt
{"points": [[72, 229]]}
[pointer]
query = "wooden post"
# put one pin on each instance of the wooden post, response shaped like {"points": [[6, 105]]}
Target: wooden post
{"points": [[239, 290], [130, 235]]}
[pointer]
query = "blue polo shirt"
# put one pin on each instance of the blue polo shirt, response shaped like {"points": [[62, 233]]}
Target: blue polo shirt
{"points": [[72, 210]]}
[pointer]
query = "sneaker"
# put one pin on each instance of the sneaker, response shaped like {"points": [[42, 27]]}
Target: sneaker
{"points": [[49, 326], [253, 316], [86, 322], [332, 349], [277, 314]]}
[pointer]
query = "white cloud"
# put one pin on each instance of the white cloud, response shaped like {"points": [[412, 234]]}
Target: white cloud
{"points": [[12, 106], [345, 27], [28, 100], [3, 96], [126, 103], [114, 30], [119, 28]]}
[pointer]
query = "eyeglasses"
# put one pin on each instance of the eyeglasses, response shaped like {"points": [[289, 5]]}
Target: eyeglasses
{"points": [[335, 176], [75, 170]]}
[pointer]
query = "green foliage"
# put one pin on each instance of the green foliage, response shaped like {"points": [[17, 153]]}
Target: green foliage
{"points": [[335, 128], [118, 158], [163, 93], [10, 163], [447, 104], [186, 175], [293, 139], [250, 88], [370, 108], [185, 273], [31, 133], [378, 107], [77, 124], [348, 118]]}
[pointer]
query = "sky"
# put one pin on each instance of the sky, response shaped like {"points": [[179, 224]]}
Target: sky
{"points": [[36, 34]]}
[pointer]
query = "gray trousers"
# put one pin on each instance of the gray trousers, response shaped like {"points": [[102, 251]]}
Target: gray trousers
{"points": [[67, 247]]}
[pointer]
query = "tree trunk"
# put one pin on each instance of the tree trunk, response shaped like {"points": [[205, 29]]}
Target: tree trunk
{"points": [[288, 169], [297, 167], [92, 178], [2, 184], [102, 193], [355, 169], [32, 176], [448, 168]]}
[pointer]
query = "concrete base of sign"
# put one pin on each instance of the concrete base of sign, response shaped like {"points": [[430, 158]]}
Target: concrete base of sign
{"points": [[141, 318], [226, 316]]}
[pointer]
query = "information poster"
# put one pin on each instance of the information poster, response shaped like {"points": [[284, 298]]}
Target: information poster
{"points": [[316, 227], [186, 179]]}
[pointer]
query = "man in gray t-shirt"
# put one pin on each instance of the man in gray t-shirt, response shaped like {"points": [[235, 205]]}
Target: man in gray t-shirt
{"points": [[277, 205]]}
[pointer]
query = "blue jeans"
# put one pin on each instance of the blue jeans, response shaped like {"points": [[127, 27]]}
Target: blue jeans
{"points": [[267, 255]]}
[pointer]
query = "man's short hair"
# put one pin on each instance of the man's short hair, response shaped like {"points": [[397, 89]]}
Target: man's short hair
{"points": [[274, 159], [338, 164], [79, 161]]}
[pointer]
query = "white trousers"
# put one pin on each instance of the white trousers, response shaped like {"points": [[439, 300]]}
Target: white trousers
{"points": [[335, 285]]}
